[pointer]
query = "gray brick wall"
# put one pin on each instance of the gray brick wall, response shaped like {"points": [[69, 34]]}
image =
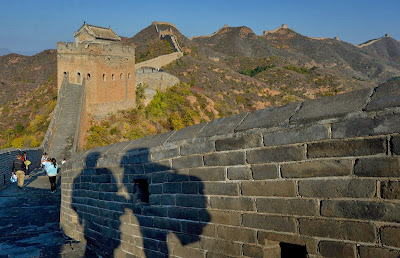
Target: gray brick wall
{"points": [[311, 175]]}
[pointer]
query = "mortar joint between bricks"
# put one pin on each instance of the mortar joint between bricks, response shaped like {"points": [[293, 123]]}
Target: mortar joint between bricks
{"points": [[329, 128], [389, 147]]}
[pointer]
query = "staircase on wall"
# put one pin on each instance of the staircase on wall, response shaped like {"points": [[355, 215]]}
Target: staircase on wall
{"points": [[61, 145]]}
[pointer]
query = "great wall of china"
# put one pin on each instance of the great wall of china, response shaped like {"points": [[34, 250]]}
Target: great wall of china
{"points": [[318, 178]]}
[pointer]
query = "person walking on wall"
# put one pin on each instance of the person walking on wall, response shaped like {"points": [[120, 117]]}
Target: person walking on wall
{"points": [[19, 169], [43, 160], [52, 174]]}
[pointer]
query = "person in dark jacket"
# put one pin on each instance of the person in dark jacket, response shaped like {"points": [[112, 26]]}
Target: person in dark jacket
{"points": [[19, 169]]}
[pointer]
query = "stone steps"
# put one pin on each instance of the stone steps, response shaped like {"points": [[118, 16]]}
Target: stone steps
{"points": [[64, 134]]}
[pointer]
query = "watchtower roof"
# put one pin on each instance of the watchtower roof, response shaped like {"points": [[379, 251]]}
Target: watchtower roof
{"points": [[98, 32]]}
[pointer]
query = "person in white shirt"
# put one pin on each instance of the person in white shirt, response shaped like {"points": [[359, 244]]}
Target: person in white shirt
{"points": [[43, 160]]}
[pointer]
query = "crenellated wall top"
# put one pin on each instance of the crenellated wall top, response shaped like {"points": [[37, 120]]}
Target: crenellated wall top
{"points": [[95, 49]]}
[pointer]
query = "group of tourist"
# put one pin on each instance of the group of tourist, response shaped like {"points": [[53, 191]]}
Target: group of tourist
{"points": [[20, 168]]}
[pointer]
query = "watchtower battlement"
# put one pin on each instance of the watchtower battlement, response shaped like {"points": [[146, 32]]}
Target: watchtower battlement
{"points": [[114, 49], [107, 66]]}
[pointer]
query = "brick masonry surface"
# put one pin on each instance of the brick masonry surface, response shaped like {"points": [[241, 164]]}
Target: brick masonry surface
{"points": [[305, 174]]}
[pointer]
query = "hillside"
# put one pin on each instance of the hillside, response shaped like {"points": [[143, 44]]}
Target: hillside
{"points": [[27, 97], [386, 48]]}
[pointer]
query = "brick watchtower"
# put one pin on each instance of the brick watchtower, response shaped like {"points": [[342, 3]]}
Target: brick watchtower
{"points": [[107, 67]]}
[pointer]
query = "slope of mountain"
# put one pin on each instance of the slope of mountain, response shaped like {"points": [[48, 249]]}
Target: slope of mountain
{"points": [[386, 48], [28, 94]]}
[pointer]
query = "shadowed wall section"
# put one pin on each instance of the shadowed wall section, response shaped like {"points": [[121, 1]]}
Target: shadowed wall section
{"points": [[321, 176]]}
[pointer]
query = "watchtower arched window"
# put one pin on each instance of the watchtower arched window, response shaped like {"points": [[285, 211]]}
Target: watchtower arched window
{"points": [[112, 77], [78, 78], [121, 77], [129, 76], [104, 77], [88, 76]]}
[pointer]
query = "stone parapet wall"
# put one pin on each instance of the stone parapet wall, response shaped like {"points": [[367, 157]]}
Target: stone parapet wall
{"points": [[160, 61], [323, 174], [114, 49], [7, 156]]}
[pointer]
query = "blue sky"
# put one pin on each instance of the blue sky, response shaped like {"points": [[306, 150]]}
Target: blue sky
{"points": [[36, 25]]}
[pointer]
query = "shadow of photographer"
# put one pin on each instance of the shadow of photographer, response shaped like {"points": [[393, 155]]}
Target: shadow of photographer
{"points": [[138, 206]]}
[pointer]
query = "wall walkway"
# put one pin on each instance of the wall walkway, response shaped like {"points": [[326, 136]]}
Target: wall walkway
{"points": [[321, 176]]}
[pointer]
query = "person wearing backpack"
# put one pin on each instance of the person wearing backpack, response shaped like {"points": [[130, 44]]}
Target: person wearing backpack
{"points": [[18, 168]]}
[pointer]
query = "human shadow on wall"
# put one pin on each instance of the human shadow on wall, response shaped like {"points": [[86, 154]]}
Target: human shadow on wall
{"points": [[93, 193], [163, 201]]}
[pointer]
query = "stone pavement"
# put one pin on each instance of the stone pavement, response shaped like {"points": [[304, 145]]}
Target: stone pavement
{"points": [[29, 222]]}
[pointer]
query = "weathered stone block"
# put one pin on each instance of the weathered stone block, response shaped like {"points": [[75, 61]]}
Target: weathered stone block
{"points": [[390, 190], [337, 249], [222, 125], [347, 230], [239, 173], [276, 154], [221, 217], [268, 222], [386, 95], [337, 188], [194, 228], [207, 174], [318, 168], [265, 171], [232, 203], [288, 206], [197, 148], [225, 159], [156, 189], [366, 127], [183, 213], [186, 133], [395, 144], [269, 117], [181, 175], [364, 210], [237, 234], [390, 236], [220, 246], [269, 188], [187, 162], [190, 187], [165, 154], [231, 189], [172, 188], [157, 167], [235, 143], [377, 167], [198, 201], [333, 106], [370, 251], [345, 148], [254, 251], [297, 135], [161, 177], [168, 199], [184, 251]]}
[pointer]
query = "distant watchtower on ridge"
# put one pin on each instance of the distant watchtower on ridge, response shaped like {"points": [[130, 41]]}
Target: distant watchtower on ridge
{"points": [[107, 67]]}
